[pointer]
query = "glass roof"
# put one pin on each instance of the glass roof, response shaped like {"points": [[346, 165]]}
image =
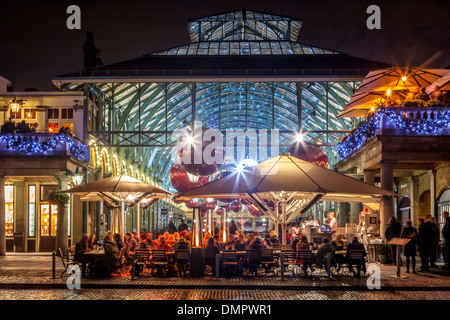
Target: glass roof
{"points": [[245, 48], [244, 25]]}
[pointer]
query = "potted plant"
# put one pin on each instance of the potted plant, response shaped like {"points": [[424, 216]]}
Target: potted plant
{"points": [[384, 251]]}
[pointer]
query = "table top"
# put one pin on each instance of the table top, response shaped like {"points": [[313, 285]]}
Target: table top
{"points": [[95, 252]]}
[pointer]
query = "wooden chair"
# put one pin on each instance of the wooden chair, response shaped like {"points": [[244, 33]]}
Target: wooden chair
{"points": [[230, 260], [159, 260], [289, 257], [254, 260], [118, 268], [209, 258], [267, 259], [141, 260], [356, 258], [307, 259], [66, 260], [182, 260]]}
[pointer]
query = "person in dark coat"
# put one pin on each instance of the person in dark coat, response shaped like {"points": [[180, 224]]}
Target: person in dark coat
{"points": [[118, 240], [393, 230], [171, 228], [183, 226], [446, 236], [424, 239], [8, 127], [233, 228], [409, 250], [355, 245], [103, 265]]}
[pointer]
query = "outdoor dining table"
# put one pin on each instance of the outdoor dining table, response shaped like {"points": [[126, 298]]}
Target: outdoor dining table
{"points": [[89, 257]]}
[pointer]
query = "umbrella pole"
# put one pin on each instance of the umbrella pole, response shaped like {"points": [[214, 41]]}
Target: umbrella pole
{"points": [[122, 218], [283, 217], [138, 218]]}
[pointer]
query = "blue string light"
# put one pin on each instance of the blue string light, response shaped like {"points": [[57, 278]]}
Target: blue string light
{"points": [[33, 144], [370, 127]]}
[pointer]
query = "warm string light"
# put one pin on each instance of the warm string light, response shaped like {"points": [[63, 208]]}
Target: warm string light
{"points": [[370, 127]]}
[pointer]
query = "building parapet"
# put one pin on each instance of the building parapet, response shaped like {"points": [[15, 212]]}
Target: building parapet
{"points": [[398, 121], [51, 144]]}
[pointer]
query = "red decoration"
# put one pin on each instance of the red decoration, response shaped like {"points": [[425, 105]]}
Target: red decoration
{"points": [[311, 153], [254, 211], [180, 179], [199, 169], [211, 205], [191, 204], [236, 206], [219, 211], [243, 202]]}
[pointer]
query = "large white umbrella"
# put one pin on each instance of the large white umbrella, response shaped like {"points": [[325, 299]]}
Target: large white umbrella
{"points": [[121, 189], [292, 183], [443, 84]]}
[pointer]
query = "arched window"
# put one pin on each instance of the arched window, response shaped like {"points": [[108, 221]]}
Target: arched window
{"points": [[443, 204], [114, 166], [104, 161]]}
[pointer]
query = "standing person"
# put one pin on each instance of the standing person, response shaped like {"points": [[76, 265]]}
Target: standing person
{"points": [[425, 237], [130, 245], [183, 226], [410, 248], [393, 230], [333, 225], [233, 227], [446, 236], [294, 232], [171, 228], [435, 240]]}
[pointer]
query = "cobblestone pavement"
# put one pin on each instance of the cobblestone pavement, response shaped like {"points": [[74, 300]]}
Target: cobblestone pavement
{"points": [[30, 277], [222, 294]]}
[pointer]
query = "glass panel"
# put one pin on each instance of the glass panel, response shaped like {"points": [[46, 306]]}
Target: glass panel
{"points": [[53, 222], [9, 210], [45, 220], [31, 211], [30, 113], [63, 113], [53, 127]]}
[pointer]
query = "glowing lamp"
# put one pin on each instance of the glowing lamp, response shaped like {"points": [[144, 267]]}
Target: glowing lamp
{"points": [[404, 79], [196, 228], [225, 224], [14, 106], [388, 92], [77, 178]]}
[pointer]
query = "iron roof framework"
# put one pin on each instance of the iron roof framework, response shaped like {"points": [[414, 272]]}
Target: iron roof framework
{"points": [[242, 70]]}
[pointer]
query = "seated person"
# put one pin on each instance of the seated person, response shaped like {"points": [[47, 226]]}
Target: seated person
{"points": [[210, 254], [81, 247], [239, 243], [229, 245], [130, 245], [148, 243], [335, 242], [105, 264], [340, 258], [162, 245], [324, 249], [355, 245], [182, 244], [303, 247], [118, 239], [92, 242], [256, 245], [274, 238], [266, 243]]}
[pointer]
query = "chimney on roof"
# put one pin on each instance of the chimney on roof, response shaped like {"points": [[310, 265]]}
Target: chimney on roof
{"points": [[91, 53]]}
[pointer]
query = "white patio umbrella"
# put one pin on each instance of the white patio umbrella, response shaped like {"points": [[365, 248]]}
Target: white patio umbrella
{"points": [[290, 182], [121, 189], [443, 83]]}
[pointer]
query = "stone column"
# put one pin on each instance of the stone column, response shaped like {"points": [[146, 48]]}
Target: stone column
{"points": [[413, 183], [2, 217], [369, 178], [344, 213], [387, 183], [432, 174], [62, 239], [21, 216], [355, 210]]}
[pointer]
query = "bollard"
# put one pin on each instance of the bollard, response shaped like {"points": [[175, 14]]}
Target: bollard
{"points": [[132, 266], [282, 266], [217, 266], [53, 265], [329, 265]]}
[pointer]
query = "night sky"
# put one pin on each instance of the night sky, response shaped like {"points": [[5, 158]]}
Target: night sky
{"points": [[35, 44]]}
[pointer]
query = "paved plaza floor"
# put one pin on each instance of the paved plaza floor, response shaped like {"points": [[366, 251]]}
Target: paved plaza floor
{"points": [[29, 277]]}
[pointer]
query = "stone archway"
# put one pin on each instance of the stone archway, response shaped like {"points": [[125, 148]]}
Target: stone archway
{"points": [[424, 205]]}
